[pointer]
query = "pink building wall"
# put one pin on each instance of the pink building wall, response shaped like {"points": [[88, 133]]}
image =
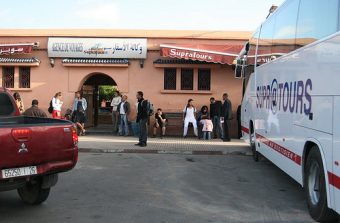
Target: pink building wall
{"points": [[47, 80]]}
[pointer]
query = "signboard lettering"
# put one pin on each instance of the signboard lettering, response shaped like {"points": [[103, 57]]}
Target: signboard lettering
{"points": [[97, 48]]}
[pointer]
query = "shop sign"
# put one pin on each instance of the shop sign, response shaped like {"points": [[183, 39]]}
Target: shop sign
{"points": [[11, 49], [97, 47]]}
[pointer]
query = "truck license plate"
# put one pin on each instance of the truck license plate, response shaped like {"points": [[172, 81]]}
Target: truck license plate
{"points": [[19, 172]]}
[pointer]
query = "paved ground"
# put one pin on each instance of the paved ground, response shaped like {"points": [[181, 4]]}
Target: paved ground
{"points": [[112, 187], [116, 144]]}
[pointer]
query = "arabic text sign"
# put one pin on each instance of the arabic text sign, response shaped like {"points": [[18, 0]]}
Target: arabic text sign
{"points": [[97, 48], [15, 49]]}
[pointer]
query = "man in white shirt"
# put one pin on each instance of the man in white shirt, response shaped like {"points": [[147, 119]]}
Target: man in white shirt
{"points": [[115, 114]]}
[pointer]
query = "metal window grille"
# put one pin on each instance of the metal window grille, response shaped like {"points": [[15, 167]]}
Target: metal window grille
{"points": [[170, 79], [187, 79], [24, 77], [204, 79], [8, 77]]}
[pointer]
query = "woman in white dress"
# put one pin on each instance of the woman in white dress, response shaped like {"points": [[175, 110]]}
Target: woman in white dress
{"points": [[189, 116]]}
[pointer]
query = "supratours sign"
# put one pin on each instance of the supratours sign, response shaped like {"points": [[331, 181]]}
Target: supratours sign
{"points": [[97, 48]]}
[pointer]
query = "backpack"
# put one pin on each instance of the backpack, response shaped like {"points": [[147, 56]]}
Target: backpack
{"points": [[50, 109], [149, 108]]}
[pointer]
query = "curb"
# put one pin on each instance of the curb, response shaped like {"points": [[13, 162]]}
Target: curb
{"points": [[156, 151]]}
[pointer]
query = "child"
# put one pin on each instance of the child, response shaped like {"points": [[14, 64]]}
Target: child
{"points": [[207, 128]]}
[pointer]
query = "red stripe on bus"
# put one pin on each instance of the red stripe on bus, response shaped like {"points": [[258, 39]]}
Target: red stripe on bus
{"points": [[280, 149], [244, 129], [334, 180]]}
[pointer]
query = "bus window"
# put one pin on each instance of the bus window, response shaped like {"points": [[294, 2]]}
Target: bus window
{"points": [[285, 29], [265, 41], [252, 48], [317, 19]]}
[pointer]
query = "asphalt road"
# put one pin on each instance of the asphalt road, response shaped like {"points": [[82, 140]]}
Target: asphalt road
{"points": [[165, 188]]}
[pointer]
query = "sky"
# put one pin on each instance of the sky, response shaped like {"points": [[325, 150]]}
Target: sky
{"points": [[239, 15]]}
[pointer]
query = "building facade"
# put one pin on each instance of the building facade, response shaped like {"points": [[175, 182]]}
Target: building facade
{"points": [[39, 63]]}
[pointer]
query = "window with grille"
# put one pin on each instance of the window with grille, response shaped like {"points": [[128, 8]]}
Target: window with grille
{"points": [[24, 77], [187, 79], [8, 77], [204, 79], [170, 79]]}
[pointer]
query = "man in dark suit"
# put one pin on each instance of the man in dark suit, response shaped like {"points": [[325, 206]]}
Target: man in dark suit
{"points": [[142, 119], [215, 114], [227, 115]]}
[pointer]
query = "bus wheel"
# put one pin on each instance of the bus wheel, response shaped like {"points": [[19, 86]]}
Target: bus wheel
{"points": [[315, 188], [256, 155]]}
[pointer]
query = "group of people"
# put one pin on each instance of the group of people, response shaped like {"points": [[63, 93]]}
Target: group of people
{"points": [[33, 111], [207, 122], [77, 114], [204, 122]]}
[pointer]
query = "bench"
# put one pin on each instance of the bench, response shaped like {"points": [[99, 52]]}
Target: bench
{"points": [[174, 124]]}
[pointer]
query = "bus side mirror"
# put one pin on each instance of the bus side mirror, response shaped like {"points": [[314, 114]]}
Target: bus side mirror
{"points": [[239, 69]]}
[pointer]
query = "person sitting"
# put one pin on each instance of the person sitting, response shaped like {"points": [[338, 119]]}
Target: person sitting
{"points": [[204, 113], [160, 122], [35, 111]]}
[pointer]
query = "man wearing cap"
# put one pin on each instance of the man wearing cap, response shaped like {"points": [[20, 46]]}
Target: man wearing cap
{"points": [[35, 111]]}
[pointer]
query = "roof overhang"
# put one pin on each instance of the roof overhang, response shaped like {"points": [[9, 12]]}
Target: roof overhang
{"points": [[88, 62], [31, 62]]}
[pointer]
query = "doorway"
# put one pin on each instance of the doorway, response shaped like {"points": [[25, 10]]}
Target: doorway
{"points": [[98, 112]]}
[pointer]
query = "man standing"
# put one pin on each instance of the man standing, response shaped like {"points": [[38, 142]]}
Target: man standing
{"points": [[215, 114], [124, 111], [142, 119], [34, 111], [227, 115], [115, 114]]}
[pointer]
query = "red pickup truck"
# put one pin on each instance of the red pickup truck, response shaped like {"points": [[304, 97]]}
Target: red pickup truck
{"points": [[33, 151]]}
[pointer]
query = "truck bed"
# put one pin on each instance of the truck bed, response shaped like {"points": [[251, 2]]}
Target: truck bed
{"points": [[42, 142]]}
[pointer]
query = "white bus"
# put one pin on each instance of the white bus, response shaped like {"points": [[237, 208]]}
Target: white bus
{"points": [[290, 112]]}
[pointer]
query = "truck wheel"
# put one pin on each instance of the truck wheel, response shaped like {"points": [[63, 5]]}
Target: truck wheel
{"points": [[315, 188], [33, 194], [256, 155]]}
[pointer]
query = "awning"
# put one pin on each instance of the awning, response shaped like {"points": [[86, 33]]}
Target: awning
{"points": [[19, 60], [223, 54], [95, 61], [19, 48], [178, 61], [87, 62]]}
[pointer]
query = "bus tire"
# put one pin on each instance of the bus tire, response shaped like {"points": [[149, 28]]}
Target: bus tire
{"points": [[256, 155], [315, 188]]}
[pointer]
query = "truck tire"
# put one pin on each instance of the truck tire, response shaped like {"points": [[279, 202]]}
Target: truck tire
{"points": [[33, 194], [315, 188]]}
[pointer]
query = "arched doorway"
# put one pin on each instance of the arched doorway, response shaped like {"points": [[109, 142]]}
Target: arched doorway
{"points": [[97, 114]]}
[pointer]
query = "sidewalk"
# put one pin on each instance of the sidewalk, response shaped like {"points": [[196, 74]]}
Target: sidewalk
{"points": [[189, 146]]}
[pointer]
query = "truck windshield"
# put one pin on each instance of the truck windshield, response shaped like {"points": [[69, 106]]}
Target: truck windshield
{"points": [[6, 105]]}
